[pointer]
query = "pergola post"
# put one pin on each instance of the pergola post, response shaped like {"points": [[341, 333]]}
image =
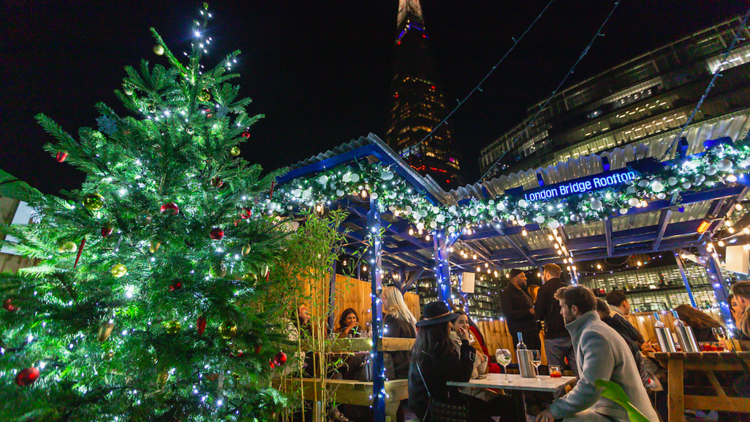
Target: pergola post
{"points": [[442, 266], [378, 368], [681, 266], [721, 290]]}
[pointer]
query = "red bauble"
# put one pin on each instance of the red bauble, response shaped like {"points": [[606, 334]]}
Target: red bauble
{"points": [[257, 349], [107, 230], [246, 213], [201, 324], [62, 156], [271, 363], [175, 286], [216, 182], [27, 376], [170, 207], [8, 305], [280, 358], [246, 134], [217, 234]]}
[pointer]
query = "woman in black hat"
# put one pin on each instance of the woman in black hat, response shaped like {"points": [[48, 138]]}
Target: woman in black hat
{"points": [[434, 362]]}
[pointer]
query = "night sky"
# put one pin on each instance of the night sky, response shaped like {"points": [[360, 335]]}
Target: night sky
{"points": [[318, 69]]}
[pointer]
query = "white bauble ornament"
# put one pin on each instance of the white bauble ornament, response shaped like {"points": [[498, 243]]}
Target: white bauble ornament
{"points": [[296, 193], [724, 165], [633, 202], [511, 217], [573, 217], [307, 194], [642, 183], [339, 193], [522, 223], [501, 206], [473, 212], [451, 229], [539, 219], [271, 206], [391, 195], [687, 185], [699, 179], [435, 210], [661, 195], [323, 179], [657, 186], [711, 170], [355, 177], [596, 204], [374, 195], [433, 224], [672, 181], [553, 224], [420, 226], [623, 211], [347, 177], [630, 189], [385, 174], [289, 207], [440, 218], [452, 209], [408, 209], [523, 204]]}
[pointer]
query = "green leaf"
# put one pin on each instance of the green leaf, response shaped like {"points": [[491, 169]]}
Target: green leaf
{"points": [[614, 392]]}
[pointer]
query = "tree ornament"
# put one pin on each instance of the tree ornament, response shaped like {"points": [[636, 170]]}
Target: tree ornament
{"points": [[246, 250], [271, 206], [151, 109], [217, 182], [501, 206], [161, 379], [724, 165], [440, 218], [172, 327], [27, 376], [246, 134], [633, 202], [355, 177], [171, 208], [699, 179], [228, 329], [711, 170], [175, 286], [661, 195], [105, 329], [154, 246], [642, 183], [109, 355], [128, 90], [67, 247], [204, 95], [235, 150], [339, 193], [657, 186], [107, 229], [216, 233], [522, 203], [323, 180], [687, 185], [246, 213], [119, 270], [385, 174], [93, 201], [596, 204], [200, 325], [630, 189], [623, 211], [672, 181], [553, 224], [61, 156], [189, 130], [279, 359], [144, 218], [539, 219], [8, 305]]}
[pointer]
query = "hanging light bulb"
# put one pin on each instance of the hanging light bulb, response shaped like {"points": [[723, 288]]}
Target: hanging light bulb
{"points": [[639, 263], [721, 243], [427, 237], [746, 230], [411, 232], [524, 232], [730, 230], [557, 246], [474, 256], [550, 237], [364, 267], [479, 269], [598, 266], [738, 207], [486, 265]]}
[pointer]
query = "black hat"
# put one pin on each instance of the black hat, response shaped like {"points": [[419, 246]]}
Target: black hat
{"points": [[514, 272], [436, 313]]}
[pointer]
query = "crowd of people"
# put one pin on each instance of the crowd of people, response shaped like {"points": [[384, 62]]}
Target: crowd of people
{"points": [[592, 337]]}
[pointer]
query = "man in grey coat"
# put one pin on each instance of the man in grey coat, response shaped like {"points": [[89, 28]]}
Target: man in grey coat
{"points": [[601, 353]]}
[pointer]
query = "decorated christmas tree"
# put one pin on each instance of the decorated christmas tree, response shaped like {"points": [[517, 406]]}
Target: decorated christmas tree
{"points": [[154, 298]]}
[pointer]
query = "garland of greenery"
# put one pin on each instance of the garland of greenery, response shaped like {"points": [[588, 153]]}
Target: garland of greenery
{"points": [[723, 164]]}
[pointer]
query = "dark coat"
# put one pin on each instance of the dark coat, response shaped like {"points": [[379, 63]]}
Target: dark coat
{"points": [[515, 305], [547, 309], [625, 328], [439, 367], [401, 329]]}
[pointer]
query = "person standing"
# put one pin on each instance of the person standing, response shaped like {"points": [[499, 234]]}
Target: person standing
{"points": [[557, 342], [518, 309], [602, 354]]}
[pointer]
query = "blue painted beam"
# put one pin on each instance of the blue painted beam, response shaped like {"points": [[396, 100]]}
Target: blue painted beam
{"points": [[412, 279], [321, 165], [519, 249]]}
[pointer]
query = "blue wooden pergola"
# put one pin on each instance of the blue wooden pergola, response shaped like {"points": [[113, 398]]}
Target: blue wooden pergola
{"points": [[663, 225]]}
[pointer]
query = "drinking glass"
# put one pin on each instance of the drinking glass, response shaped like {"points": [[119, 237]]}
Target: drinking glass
{"points": [[554, 371], [719, 333], [503, 357], [536, 360]]}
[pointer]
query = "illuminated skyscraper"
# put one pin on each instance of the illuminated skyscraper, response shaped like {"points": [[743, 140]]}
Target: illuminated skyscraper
{"points": [[418, 103]]}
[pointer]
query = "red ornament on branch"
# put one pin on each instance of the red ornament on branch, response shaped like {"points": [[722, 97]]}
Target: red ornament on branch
{"points": [[201, 324], [175, 286], [107, 229], [80, 251], [27, 376], [170, 207], [279, 359], [246, 134], [216, 182], [8, 305], [61, 156], [246, 213], [216, 234]]}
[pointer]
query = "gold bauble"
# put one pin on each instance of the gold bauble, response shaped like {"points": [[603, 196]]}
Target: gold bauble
{"points": [[246, 250], [67, 247], [109, 355], [159, 49], [119, 270], [228, 329], [93, 201], [204, 95], [104, 331], [235, 151], [235, 375], [161, 379], [173, 327], [155, 245]]}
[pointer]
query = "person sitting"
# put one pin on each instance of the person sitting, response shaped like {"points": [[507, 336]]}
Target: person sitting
{"points": [[604, 313], [620, 307], [349, 324], [397, 322], [699, 322], [740, 339], [480, 363], [434, 362], [601, 353]]}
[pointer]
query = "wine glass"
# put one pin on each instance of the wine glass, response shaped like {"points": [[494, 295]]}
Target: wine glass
{"points": [[719, 333], [503, 357], [536, 360]]}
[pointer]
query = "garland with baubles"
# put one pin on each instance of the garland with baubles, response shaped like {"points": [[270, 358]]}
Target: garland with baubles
{"points": [[723, 164]]}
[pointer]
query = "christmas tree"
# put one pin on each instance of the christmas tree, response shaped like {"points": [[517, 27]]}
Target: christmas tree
{"points": [[154, 298]]}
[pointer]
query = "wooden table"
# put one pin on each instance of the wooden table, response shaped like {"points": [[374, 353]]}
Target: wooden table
{"points": [[518, 385], [708, 362]]}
